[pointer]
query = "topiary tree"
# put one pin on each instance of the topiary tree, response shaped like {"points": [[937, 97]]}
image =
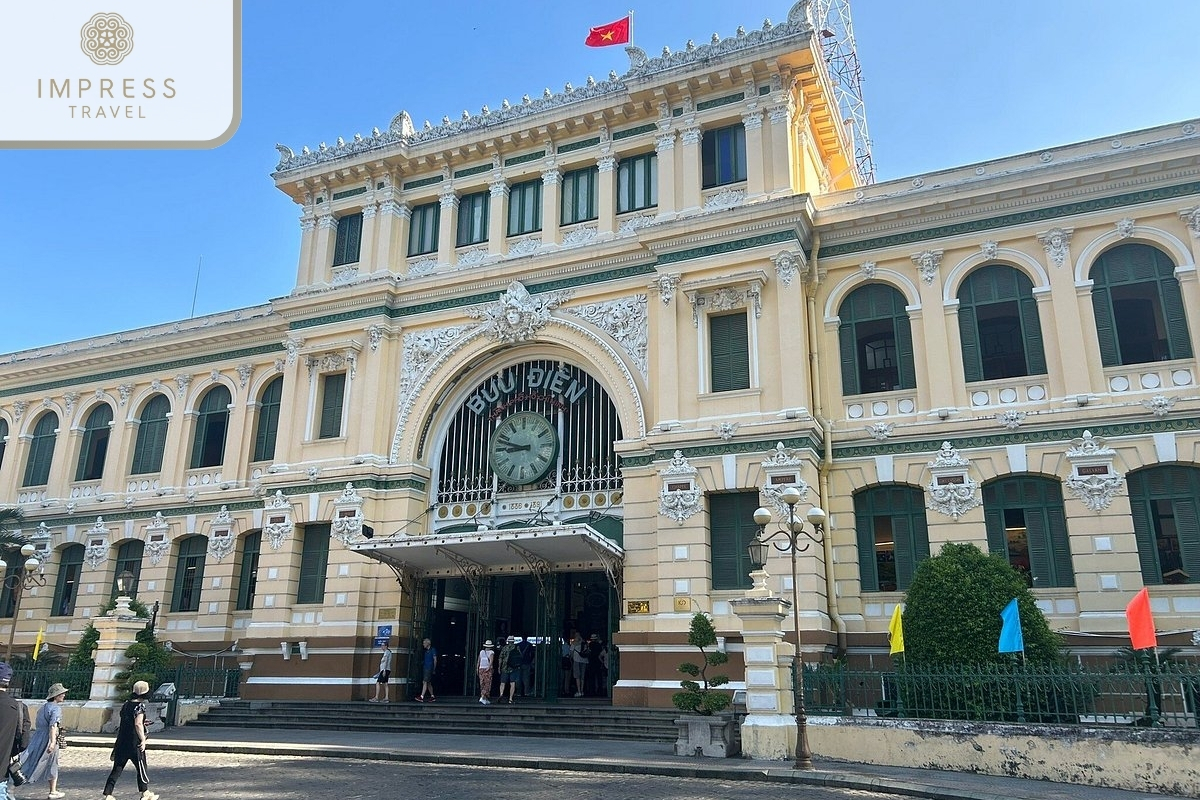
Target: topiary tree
{"points": [[952, 611], [698, 696], [147, 656]]}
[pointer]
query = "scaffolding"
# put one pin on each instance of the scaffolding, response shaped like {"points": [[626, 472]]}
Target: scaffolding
{"points": [[836, 32]]}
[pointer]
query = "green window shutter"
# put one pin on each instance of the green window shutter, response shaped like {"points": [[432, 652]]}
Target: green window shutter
{"points": [[904, 352], [864, 529], [94, 445], [1060, 543], [332, 396], [314, 562], [1106, 330], [248, 570], [918, 544], [189, 574], [267, 426], [902, 542], [848, 349], [1031, 331], [1179, 344], [41, 450], [1038, 540], [348, 239], [1187, 525], [993, 518], [66, 587], [1143, 531], [731, 526], [968, 334], [729, 344]]}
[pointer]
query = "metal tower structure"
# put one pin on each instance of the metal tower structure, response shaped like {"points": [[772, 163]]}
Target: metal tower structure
{"points": [[836, 31]]}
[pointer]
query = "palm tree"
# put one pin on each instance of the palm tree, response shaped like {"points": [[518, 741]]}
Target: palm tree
{"points": [[9, 519]]}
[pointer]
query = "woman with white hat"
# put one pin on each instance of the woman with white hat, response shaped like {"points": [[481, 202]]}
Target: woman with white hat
{"points": [[131, 743], [485, 665], [40, 759]]}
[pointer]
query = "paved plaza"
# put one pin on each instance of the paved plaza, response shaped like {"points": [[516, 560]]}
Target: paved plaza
{"points": [[222, 776]]}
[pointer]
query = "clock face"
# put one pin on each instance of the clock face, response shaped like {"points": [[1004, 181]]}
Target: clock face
{"points": [[524, 448]]}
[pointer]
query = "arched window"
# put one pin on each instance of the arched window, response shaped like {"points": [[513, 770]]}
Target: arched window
{"points": [[1027, 526], [189, 574], [266, 428], [248, 570], [998, 325], [66, 589], [3, 439], [212, 421], [1165, 501], [94, 448], [892, 536], [151, 436], [875, 339], [129, 559], [1138, 306], [41, 450]]}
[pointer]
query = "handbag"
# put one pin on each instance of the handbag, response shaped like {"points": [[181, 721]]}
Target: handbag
{"points": [[14, 771], [61, 739]]}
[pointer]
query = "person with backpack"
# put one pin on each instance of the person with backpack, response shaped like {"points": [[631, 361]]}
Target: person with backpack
{"points": [[510, 660], [525, 670], [14, 727]]}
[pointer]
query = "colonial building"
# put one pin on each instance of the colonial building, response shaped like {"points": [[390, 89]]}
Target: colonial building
{"points": [[542, 364]]}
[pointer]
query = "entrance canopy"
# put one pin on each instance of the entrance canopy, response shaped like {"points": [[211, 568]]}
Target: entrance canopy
{"points": [[516, 551]]}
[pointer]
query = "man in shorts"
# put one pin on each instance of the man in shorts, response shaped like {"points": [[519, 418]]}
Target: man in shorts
{"points": [[428, 665], [381, 677]]}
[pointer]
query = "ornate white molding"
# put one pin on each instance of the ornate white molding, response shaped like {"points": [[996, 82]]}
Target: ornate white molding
{"points": [[1191, 217], [469, 258], [880, 431], [1125, 227], [580, 235], [1010, 419], [630, 225], [725, 430], [868, 269], [332, 362], [989, 249], [951, 491], [347, 522], [788, 264], [157, 542], [277, 519], [665, 284], [1160, 404], [525, 246], [726, 198], [1093, 480], [1056, 242], [96, 550], [220, 535], [782, 467], [626, 320], [680, 497], [422, 266], [183, 382], [374, 337], [69, 401], [245, 372], [517, 316], [292, 346], [737, 294], [927, 263]]}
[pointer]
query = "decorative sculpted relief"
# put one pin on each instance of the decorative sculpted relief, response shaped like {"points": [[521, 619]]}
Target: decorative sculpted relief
{"points": [[782, 466], [517, 316], [665, 284], [951, 491], [927, 263], [788, 265], [680, 498], [626, 320], [1055, 242], [347, 522], [1093, 479], [96, 550]]}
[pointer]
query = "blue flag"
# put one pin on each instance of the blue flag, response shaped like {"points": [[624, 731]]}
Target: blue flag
{"points": [[1011, 638]]}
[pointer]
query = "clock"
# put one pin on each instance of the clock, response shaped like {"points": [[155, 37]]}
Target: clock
{"points": [[524, 448]]}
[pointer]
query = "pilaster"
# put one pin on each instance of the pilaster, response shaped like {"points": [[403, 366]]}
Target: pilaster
{"points": [[308, 236], [447, 226], [664, 147], [606, 194], [780, 148], [368, 245], [393, 222], [756, 183], [689, 166], [322, 258], [497, 244], [551, 203]]}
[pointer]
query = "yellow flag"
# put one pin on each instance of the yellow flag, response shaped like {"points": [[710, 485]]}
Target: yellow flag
{"points": [[37, 645], [896, 631]]}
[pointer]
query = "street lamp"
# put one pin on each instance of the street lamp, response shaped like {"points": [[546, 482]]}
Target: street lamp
{"points": [[791, 544], [17, 583], [125, 583]]}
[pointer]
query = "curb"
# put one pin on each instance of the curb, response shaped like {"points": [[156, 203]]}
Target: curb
{"points": [[733, 772]]}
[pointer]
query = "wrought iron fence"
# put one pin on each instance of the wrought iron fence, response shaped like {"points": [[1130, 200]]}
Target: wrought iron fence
{"points": [[32, 680], [194, 681], [1167, 695]]}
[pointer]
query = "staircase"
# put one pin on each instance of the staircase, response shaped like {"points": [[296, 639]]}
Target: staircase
{"points": [[569, 720]]}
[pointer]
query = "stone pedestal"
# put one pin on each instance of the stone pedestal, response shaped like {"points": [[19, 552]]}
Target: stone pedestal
{"points": [[769, 729], [118, 630]]}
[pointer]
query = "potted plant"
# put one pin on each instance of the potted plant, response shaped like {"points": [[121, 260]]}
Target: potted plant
{"points": [[710, 732]]}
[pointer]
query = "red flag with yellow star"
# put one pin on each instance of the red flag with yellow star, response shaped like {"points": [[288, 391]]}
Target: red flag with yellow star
{"points": [[610, 34]]}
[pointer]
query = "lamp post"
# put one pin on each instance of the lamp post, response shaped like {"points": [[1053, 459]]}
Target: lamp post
{"points": [[790, 543], [125, 582], [17, 583]]}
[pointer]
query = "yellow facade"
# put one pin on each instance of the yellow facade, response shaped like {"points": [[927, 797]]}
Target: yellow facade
{"points": [[628, 298]]}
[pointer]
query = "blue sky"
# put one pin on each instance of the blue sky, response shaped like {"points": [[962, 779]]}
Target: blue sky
{"points": [[98, 242]]}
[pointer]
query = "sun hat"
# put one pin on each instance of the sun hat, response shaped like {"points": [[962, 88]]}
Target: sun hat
{"points": [[488, 643], [55, 690], [141, 689]]}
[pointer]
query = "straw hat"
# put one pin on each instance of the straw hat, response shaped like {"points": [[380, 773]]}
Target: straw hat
{"points": [[488, 643], [55, 690]]}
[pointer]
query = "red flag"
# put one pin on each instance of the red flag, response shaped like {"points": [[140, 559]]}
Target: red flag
{"points": [[1141, 621], [610, 34]]}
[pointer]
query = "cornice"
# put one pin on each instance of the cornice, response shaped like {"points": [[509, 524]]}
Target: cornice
{"points": [[1021, 436], [811, 442]]}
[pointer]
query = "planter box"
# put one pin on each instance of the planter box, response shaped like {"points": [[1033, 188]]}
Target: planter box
{"points": [[715, 736]]}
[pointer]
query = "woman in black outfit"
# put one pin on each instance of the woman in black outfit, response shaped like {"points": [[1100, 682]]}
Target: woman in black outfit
{"points": [[131, 743]]}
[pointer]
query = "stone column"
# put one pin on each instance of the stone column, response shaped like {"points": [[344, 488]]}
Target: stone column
{"points": [[769, 729], [551, 204], [447, 227], [308, 228], [756, 183], [689, 167], [606, 194], [392, 246], [322, 255], [370, 238], [497, 243], [664, 147], [779, 176], [118, 630]]}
